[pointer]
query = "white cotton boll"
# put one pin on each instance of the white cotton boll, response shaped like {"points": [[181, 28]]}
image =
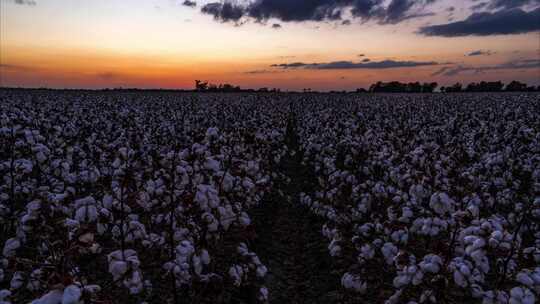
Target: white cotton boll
{"points": [[248, 184], [205, 257], [334, 248], [389, 251], [135, 283], [261, 271], [212, 133], [263, 294], [460, 279], [244, 219], [226, 216], [519, 295], [367, 252], [4, 294], [92, 289], [228, 182], [185, 249], [212, 164], [431, 263], [441, 203], [353, 282], [400, 236], [10, 247], [118, 269], [406, 215], [212, 222], [52, 297], [394, 299], [17, 280], [236, 272], [242, 249], [71, 295], [197, 264], [86, 214], [525, 279], [476, 291]]}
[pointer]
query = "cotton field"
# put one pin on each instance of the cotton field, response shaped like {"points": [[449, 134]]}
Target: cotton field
{"points": [[162, 197]]}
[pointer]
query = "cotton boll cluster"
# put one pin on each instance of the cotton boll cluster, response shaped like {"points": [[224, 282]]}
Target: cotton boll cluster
{"points": [[84, 175], [353, 282], [433, 178], [125, 269], [439, 193]]}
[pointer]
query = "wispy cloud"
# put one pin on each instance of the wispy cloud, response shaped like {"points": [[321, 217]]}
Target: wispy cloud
{"points": [[107, 75], [255, 72], [14, 67], [349, 65], [511, 65], [480, 53]]}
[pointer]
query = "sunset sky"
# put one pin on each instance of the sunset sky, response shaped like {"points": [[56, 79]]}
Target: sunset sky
{"points": [[319, 44]]}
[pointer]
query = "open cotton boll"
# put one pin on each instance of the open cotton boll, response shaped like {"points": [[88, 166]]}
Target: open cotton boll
{"points": [[72, 295], [389, 251], [4, 295], [197, 264], [521, 295], [263, 294], [334, 247], [205, 257], [17, 280], [367, 252], [226, 216], [212, 165], [431, 263], [244, 219], [353, 282], [10, 247], [236, 273], [261, 271], [211, 221], [212, 133], [242, 249], [441, 203]]}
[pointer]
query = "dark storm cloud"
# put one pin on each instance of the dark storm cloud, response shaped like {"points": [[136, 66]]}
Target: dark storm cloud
{"points": [[507, 4], [504, 22], [25, 2], [511, 65], [318, 10], [480, 53], [349, 65], [189, 3], [224, 12]]}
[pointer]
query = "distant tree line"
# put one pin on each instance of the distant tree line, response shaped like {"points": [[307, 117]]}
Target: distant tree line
{"points": [[417, 87], [398, 87], [494, 86], [205, 86]]}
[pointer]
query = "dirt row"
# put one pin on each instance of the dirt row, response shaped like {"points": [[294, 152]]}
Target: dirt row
{"points": [[289, 238]]}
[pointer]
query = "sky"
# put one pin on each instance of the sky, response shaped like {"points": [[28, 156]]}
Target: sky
{"points": [[288, 44]]}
